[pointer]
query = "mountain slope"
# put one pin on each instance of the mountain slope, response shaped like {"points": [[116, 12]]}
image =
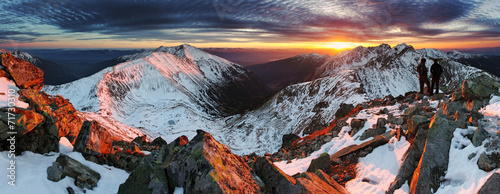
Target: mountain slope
{"points": [[167, 91], [350, 77], [174, 91]]}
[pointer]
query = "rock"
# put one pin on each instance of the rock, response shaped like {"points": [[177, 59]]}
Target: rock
{"points": [[66, 117], [475, 105], [70, 190], [378, 130], [356, 125], [288, 140], [158, 142], [320, 163], [479, 136], [480, 87], [274, 179], [55, 172], [453, 108], [313, 184], [343, 110], [204, 165], [484, 163], [94, 139], [409, 112], [456, 96], [25, 74], [415, 123], [431, 167], [42, 138], [148, 177], [492, 185], [83, 175], [410, 161], [339, 189]]}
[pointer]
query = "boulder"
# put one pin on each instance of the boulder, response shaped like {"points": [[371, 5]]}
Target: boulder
{"points": [[479, 135], [344, 110], [311, 183], [492, 185], [149, 176], [378, 129], [356, 125], [480, 87], [339, 189], [409, 112], [42, 138], [55, 172], [94, 139], [84, 176], [288, 140], [274, 179], [485, 163], [158, 142], [24, 74], [432, 166], [66, 116], [205, 166], [452, 107], [415, 123], [320, 163], [410, 161]]}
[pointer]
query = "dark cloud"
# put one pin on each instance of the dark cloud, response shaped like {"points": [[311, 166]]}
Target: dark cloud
{"points": [[290, 20]]}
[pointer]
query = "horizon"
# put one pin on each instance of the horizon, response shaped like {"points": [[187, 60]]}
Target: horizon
{"points": [[285, 24]]}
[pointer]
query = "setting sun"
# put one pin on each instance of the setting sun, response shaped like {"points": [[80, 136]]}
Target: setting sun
{"points": [[341, 45]]}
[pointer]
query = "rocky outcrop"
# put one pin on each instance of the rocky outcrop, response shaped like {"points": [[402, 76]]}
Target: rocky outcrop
{"points": [[67, 166], [274, 179], [320, 163], [149, 176], [410, 161], [32, 132], [433, 163], [24, 74], [93, 139], [480, 87], [66, 116]]}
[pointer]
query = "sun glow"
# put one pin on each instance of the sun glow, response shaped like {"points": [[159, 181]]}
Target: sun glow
{"points": [[341, 45]]}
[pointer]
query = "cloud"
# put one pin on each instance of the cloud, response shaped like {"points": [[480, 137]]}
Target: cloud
{"points": [[287, 20]]}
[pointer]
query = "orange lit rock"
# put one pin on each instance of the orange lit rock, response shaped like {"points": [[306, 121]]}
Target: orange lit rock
{"points": [[206, 166], [25, 74], [66, 118], [30, 119]]}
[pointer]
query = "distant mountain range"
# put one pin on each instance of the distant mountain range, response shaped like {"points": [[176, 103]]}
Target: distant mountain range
{"points": [[172, 91]]}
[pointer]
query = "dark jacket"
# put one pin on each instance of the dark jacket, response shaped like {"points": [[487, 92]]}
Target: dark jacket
{"points": [[422, 71], [436, 70]]}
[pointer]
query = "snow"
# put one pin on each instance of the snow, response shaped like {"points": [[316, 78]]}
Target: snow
{"points": [[463, 175], [493, 109], [344, 140], [376, 171], [31, 174], [5, 95]]}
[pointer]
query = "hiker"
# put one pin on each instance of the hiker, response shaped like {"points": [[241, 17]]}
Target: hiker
{"points": [[436, 71], [422, 76]]}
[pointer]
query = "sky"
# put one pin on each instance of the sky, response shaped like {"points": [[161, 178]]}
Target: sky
{"points": [[339, 24]]}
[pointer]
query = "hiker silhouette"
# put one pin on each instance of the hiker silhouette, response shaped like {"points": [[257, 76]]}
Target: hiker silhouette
{"points": [[436, 71], [422, 76]]}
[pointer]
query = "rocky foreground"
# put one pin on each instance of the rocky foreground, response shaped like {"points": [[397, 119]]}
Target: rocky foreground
{"points": [[203, 165]]}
